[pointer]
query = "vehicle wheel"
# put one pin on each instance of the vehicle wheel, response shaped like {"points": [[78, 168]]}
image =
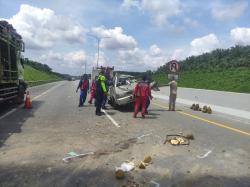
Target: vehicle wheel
{"points": [[112, 102]]}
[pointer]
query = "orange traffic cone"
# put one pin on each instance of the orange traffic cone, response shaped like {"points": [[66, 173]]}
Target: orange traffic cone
{"points": [[27, 100]]}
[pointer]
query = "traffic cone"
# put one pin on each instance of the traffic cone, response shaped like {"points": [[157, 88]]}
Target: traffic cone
{"points": [[27, 101]]}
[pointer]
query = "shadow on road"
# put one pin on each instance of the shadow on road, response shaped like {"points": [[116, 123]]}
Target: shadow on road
{"points": [[65, 175], [13, 123]]}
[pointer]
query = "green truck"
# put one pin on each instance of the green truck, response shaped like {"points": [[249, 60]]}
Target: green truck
{"points": [[12, 84]]}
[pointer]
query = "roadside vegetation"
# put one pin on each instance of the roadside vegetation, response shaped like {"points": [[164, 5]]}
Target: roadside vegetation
{"points": [[32, 74], [221, 69]]}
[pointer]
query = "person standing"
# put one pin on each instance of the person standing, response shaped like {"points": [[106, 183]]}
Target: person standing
{"points": [[92, 90], [100, 92], [150, 97], [141, 92], [173, 94], [84, 87]]}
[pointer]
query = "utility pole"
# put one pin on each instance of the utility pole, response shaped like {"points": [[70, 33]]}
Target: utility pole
{"points": [[85, 66], [98, 39]]}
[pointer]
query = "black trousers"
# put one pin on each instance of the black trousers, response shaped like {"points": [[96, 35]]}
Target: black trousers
{"points": [[98, 102]]}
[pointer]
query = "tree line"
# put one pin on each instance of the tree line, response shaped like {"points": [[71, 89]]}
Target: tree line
{"points": [[217, 60]]}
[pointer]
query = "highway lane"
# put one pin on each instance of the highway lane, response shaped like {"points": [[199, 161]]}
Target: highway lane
{"points": [[33, 143]]}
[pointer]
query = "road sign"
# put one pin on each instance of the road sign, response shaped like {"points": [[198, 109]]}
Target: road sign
{"points": [[173, 66]]}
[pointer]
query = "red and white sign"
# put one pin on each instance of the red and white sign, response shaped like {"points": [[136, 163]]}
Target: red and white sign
{"points": [[173, 66]]}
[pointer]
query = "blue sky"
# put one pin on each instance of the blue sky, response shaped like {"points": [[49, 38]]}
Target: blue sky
{"points": [[135, 35]]}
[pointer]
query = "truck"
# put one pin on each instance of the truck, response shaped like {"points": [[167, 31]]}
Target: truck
{"points": [[12, 84]]}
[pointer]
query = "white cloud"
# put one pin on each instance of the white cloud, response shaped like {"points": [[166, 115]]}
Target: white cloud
{"points": [[240, 35], [155, 50], [204, 44], [141, 59], [41, 28], [190, 22], [127, 4], [179, 54], [114, 38], [227, 12], [159, 10], [75, 59]]}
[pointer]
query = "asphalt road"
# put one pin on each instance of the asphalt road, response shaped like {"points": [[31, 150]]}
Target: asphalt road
{"points": [[34, 142]]}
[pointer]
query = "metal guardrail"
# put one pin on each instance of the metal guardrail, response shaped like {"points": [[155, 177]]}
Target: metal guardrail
{"points": [[39, 82]]}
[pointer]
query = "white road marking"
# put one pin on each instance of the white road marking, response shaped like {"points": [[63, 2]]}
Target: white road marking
{"points": [[15, 109], [205, 155], [111, 119], [47, 91], [144, 135], [8, 113], [156, 183]]}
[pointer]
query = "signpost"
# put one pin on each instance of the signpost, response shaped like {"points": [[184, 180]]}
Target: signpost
{"points": [[173, 69]]}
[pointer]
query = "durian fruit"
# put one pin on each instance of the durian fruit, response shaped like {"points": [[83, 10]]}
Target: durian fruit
{"points": [[209, 110], [193, 106], [190, 136], [119, 173], [142, 165], [196, 107], [204, 110], [147, 159]]}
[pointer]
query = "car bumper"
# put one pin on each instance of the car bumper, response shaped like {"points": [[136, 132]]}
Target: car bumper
{"points": [[125, 100]]}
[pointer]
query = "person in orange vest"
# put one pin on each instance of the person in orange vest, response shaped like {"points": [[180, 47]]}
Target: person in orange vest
{"points": [[141, 92], [92, 90], [84, 87]]}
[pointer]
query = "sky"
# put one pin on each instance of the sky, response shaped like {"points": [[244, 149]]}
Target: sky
{"points": [[135, 35]]}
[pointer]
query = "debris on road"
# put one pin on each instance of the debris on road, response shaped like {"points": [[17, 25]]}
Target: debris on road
{"points": [[205, 109], [156, 183], [205, 155], [190, 136], [143, 164], [125, 167], [139, 137], [75, 155], [119, 173], [147, 159], [176, 139], [209, 110]]}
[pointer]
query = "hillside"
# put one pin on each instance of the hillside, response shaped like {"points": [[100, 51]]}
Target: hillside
{"points": [[222, 69], [32, 74]]}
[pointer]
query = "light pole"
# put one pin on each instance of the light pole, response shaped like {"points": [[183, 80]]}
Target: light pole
{"points": [[98, 39]]}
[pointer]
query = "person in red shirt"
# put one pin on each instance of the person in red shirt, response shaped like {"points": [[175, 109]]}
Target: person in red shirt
{"points": [[92, 90], [141, 93], [84, 87]]}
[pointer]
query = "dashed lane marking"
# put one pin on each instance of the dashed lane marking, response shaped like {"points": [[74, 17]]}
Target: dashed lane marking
{"points": [[111, 119], [208, 121]]}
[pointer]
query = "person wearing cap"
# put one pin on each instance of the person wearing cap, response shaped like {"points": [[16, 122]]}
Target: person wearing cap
{"points": [[84, 87], [100, 92], [173, 94], [141, 92]]}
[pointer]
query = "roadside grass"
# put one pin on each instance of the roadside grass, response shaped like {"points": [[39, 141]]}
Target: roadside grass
{"points": [[235, 80], [31, 74]]}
